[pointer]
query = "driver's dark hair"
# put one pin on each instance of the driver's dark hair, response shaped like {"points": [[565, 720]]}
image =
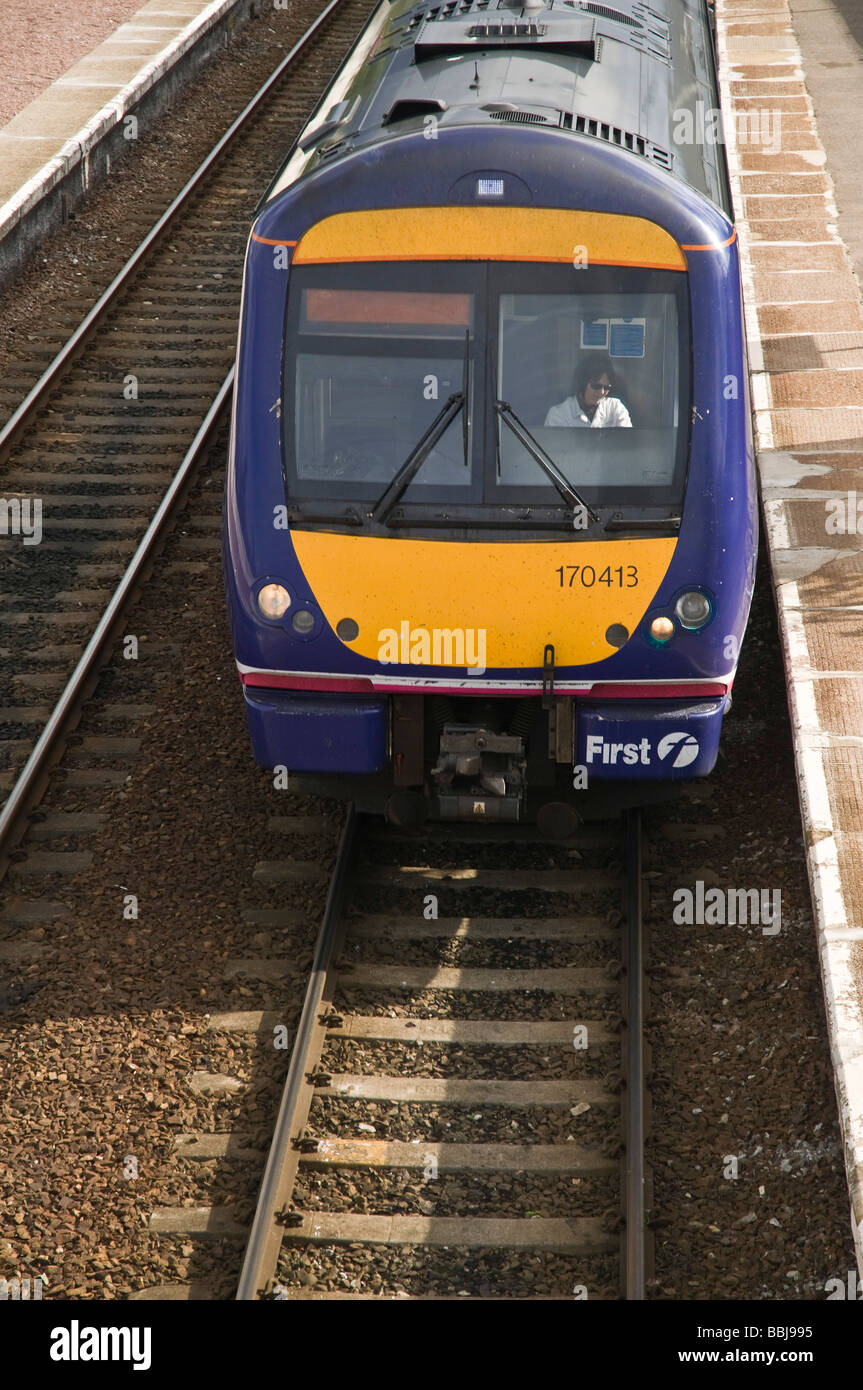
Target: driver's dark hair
{"points": [[588, 369]]}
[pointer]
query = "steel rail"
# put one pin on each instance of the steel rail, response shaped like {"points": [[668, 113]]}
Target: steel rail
{"points": [[23, 791], [262, 1249], [18, 421], [39, 759], [634, 1195]]}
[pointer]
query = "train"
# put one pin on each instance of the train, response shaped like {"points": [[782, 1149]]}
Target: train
{"points": [[490, 525]]}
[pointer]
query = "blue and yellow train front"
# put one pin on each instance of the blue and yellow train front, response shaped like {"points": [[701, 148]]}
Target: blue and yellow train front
{"points": [[452, 595]]}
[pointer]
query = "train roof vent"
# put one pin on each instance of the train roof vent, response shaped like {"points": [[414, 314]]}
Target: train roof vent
{"points": [[653, 42], [649, 31], [626, 139], [405, 107], [520, 117], [642, 10], [335, 118], [606, 12], [659, 155], [463, 7], [327, 150], [571, 34], [501, 29]]}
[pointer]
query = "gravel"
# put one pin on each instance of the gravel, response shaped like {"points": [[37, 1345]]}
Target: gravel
{"points": [[448, 1272], [476, 954], [100, 1058], [451, 1060], [741, 1065], [478, 1004], [402, 1194], [461, 1124]]}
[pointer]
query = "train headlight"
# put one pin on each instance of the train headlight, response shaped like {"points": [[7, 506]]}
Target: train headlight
{"points": [[662, 630], [693, 610], [274, 601]]}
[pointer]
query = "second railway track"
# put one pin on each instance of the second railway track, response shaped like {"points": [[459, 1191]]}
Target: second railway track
{"points": [[463, 1111], [98, 441]]}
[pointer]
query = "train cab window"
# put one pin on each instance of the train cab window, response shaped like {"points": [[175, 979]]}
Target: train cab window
{"points": [[391, 364], [594, 377], [375, 354]]}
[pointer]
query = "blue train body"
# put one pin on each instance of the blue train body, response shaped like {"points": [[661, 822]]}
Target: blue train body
{"points": [[640, 712]]}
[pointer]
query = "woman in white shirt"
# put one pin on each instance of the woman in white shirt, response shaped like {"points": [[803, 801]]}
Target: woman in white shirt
{"points": [[593, 405]]}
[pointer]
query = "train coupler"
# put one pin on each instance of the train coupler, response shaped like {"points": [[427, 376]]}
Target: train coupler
{"points": [[479, 774]]}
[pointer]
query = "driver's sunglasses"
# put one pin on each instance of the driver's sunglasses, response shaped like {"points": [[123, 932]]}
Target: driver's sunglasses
{"points": [[599, 385]]}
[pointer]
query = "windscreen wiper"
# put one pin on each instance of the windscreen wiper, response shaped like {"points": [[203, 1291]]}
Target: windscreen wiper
{"points": [[643, 523], [536, 451], [417, 457], [465, 378], [436, 430]]}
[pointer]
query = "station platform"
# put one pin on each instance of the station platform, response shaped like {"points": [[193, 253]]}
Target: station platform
{"points": [[42, 40], [53, 148], [804, 319]]}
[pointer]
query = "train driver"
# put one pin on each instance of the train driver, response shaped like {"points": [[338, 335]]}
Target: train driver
{"points": [[593, 404]]}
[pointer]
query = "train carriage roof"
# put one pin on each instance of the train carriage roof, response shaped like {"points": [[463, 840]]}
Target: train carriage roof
{"points": [[637, 75]]}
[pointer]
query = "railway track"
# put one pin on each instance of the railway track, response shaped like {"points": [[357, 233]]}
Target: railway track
{"points": [[110, 439], [464, 1111], [231, 877], [103, 444]]}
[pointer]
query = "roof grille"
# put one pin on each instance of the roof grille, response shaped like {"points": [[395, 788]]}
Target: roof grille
{"points": [[661, 156], [641, 9], [626, 139], [606, 12], [519, 117], [658, 45], [452, 7], [526, 30], [325, 151], [575, 36], [584, 125]]}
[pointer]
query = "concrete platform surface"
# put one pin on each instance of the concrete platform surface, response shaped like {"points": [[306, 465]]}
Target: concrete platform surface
{"points": [[58, 130], [42, 39], [805, 328]]}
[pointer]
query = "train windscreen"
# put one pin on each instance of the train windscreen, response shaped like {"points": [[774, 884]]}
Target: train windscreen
{"points": [[375, 365], [474, 384], [594, 379]]}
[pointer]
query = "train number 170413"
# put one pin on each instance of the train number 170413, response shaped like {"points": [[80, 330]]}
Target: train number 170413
{"points": [[624, 576]]}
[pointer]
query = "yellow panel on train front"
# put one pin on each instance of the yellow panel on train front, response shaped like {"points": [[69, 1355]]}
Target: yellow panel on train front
{"points": [[522, 595]]}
